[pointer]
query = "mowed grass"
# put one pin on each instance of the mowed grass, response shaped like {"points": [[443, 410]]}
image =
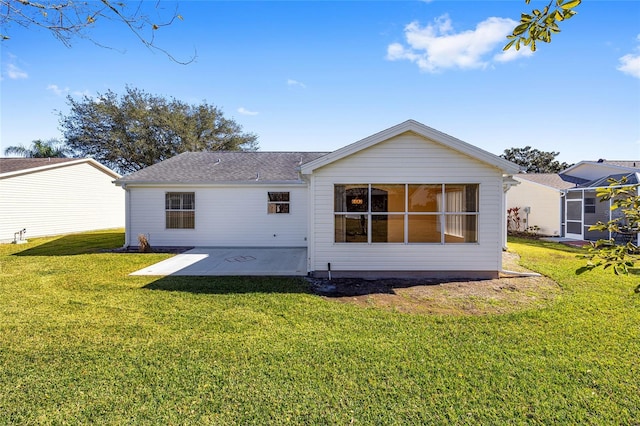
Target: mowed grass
{"points": [[81, 341]]}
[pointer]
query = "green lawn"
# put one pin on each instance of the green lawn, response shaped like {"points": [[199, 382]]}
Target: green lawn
{"points": [[81, 341]]}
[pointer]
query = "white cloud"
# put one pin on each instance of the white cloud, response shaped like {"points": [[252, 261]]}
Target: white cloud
{"points": [[15, 73], [436, 46], [244, 111], [513, 54], [58, 91], [630, 63], [83, 93], [297, 83]]}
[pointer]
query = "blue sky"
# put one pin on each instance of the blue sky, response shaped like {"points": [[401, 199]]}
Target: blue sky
{"points": [[315, 76]]}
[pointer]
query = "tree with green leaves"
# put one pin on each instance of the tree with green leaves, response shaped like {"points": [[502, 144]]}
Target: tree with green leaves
{"points": [[137, 129], [52, 148], [606, 253], [541, 24], [534, 161], [68, 20]]}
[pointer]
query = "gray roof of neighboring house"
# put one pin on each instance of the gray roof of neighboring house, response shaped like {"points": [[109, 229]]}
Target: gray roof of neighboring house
{"points": [[8, 165], [634, 164], [569, 174], [631, 179], [552, 180], [225, 167]]}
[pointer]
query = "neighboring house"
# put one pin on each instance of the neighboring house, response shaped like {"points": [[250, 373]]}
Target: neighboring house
{"points": [[540, 198], [50, 196], [406, 201], [566, 204], [585, 171], [582, 206]]}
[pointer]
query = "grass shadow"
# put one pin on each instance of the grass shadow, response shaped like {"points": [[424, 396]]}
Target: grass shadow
{"points": [[75, 244], [251, 284], [230, 285]]}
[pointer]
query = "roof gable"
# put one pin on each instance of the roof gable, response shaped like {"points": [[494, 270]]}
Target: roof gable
{"points": [[421, 130]]}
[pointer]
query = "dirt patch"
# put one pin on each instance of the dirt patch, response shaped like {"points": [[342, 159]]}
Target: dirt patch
{"points": [[509, 293]]}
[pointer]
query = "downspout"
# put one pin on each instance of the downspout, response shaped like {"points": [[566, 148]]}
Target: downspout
{"points": [[127, 215], [563, 213], [311, 217], [503, 223], [638, 233], [610, 234], [507, 182], [309, 240]]}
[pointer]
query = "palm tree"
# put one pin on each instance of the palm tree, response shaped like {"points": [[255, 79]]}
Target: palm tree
{"points": [[52, 148]]}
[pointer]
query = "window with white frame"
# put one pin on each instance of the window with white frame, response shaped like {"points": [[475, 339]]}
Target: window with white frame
{"points": [[589, 205], [180, 210], [406, 213], [279, 202]]}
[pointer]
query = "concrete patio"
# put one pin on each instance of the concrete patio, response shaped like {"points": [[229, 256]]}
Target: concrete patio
{"points": [[234, 261]]}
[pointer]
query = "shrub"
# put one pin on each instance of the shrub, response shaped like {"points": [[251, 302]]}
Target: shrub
{"points": [[143, 244]]}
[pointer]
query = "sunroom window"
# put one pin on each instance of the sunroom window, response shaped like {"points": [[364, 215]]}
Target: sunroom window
{"points": [[406, 213]]}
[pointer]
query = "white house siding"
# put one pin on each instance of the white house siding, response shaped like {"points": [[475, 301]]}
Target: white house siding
{"points": [[65, 199], [407, 158], [544, 203], [225, 216]]}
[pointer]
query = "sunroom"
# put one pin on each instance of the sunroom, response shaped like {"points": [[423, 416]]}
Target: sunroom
{"points": [[408, 201], [584, 209]]}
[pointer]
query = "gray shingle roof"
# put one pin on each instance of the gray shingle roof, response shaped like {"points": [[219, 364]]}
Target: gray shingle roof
{"points": [[631, 179], [225, 167], [634, 164], [8, 165], [552, 180]]}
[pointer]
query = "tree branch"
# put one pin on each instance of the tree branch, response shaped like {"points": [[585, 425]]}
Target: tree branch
{"points": [[69, 20]]}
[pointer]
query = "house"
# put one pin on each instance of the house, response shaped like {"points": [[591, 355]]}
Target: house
{"points": [[582, 206], [540, 200], [566, 204], [406, 201], [50, 196]]}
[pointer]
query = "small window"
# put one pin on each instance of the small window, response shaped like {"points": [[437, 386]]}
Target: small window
{"points": [[180, 210], [589, 205], [279, 202]]}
